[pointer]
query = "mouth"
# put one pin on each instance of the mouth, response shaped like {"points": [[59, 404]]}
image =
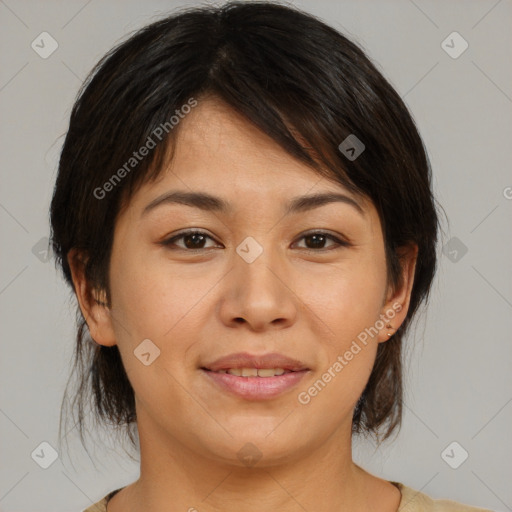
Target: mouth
{"points": [[249, 363], [254, 372], [255, 377], [255, 387]]}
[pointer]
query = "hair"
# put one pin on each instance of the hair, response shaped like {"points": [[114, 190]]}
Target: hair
{"points": [[299, 81]]}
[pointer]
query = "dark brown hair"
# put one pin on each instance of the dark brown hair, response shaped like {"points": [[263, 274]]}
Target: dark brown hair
{"points": [[295, 78]]}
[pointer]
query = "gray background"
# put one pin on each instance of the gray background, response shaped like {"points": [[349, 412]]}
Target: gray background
{"points": [[459, 356]]}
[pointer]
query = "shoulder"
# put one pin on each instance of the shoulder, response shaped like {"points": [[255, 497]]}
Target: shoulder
{"points": [[416, 501], [101, 506], [412, 501]]}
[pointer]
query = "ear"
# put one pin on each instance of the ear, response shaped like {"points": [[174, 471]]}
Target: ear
{"points": [[92, 302], [398, 298]]}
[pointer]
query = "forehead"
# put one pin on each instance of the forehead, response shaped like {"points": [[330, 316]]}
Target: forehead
{"points": [[217, 150], [218, 141]]}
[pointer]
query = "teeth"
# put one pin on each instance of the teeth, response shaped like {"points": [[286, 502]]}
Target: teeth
{"points": [[255, 372], [270, 372], [249, 372]]}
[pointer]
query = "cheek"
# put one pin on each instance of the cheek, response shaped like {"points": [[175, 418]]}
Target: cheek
{"points": [[348, 303], [155, 302], [346, 298], [152, 297]]}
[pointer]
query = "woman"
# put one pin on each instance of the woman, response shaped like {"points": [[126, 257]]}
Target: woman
{"points": [[244, 211]]}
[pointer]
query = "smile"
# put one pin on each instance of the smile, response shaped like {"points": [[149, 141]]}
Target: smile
{"points": [[255, 384], [255, 372]]}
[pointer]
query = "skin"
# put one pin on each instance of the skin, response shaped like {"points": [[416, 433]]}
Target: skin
{"points": [[299, 299]]}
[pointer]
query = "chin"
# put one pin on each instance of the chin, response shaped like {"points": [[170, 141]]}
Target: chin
{"points": [[259, 448]]}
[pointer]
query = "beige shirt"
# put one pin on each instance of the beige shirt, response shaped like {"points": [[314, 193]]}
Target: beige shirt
{"points": [[412, 501]]}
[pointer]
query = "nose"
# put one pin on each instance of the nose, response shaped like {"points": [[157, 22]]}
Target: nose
{"points": [[258, 295]]}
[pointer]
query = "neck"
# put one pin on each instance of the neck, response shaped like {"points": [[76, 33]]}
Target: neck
{"points": [[174, 477]]}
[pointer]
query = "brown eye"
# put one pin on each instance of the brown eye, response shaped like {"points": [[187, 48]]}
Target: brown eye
{"points": [[315, 241], [191, 240], [194, 241], [318, 239]]}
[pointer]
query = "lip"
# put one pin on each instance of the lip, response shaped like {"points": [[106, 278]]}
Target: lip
{"points": [[256, 388], [245, 360]]}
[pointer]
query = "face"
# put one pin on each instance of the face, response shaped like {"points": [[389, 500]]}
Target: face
{"points": [[269, 281]]}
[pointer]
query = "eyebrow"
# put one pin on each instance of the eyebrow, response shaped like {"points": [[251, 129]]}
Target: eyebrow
{"points": [[208, 202]]}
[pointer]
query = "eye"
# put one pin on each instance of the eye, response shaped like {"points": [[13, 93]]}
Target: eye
{"points": [[317, 239], [195, 240], [192, 239]]}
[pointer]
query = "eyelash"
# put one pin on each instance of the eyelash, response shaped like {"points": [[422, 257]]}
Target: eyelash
{"points": [[170, 241]]}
